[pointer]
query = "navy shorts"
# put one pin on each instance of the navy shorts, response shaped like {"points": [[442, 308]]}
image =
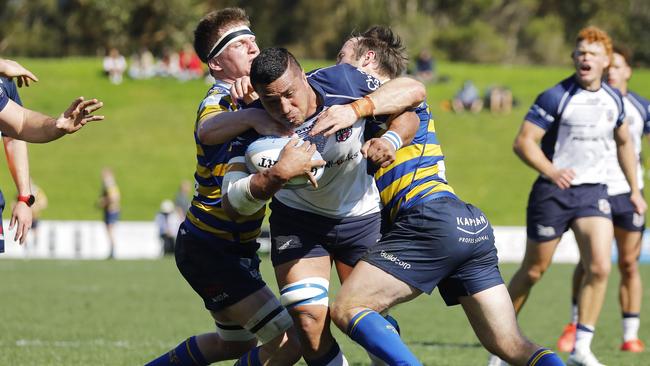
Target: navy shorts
{"points": [[298, 234], [111, 217], [623, 214], [443, 242], [551, 210], [221, 272]]}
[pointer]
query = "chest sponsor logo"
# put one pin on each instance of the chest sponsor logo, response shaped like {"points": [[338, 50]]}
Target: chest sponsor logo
{"points": [[343, 134]]}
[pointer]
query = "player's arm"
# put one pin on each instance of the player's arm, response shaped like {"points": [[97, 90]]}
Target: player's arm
{"points": [[219, 128], [392, 97], [31, 126], [12, 69], [628, 162], [527, 147], [248, 193], [381, 151], [18, 162]]}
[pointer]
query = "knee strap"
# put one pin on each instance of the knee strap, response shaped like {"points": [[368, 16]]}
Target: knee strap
{"points": [[309, 291], [270, 321], [232, 332]]}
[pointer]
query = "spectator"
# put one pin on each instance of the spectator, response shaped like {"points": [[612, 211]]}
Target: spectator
{"points": [[467, 98], [142, 65], [169, 64], [190, 63], [182, 201], [114, 66], [425, 67], [499, 99], [168, 223], [109, 202]]}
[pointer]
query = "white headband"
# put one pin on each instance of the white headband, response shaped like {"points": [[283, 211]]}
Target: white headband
{"points": [[229, 37]]}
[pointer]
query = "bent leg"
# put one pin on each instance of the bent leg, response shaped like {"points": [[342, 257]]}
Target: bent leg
{"points": [[492, 316], [367, 292], [536, 260]]}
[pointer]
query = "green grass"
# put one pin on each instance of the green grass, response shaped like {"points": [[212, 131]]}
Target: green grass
{"points": [[147, 137], [127, 312]]}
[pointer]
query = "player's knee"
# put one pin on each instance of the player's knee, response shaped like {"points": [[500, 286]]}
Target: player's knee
{"points": [[599, 270], [270, 322], [628, 266], [341, 312], [534, 274], [308, 301]]}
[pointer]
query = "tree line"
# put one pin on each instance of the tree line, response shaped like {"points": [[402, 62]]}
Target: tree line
{"points": [[495, 31]]}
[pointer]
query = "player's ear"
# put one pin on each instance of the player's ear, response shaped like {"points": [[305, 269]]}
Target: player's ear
{"points": [[369, 58], [213, 64]]}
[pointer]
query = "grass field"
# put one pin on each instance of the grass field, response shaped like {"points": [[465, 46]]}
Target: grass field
{"points": [[127, 312], [147, 138]]}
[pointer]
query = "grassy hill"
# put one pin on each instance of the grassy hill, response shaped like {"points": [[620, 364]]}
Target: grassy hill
{"points": [[147, 137]]}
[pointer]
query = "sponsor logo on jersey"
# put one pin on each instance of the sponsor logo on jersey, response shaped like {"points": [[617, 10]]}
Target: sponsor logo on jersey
{"points": [[343, 134]]}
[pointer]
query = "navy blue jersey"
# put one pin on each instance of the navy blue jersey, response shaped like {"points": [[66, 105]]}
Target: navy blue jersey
{"points": [[579, 127]]}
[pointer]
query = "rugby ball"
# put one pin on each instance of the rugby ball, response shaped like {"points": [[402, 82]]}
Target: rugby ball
{"points": [[264, 152]]}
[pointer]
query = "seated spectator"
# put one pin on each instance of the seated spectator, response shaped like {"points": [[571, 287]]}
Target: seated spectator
{"points": [[467, 98], [142, 65], [425, 67], [114, 66], [169, 64], [499, 99], [190, 63]]}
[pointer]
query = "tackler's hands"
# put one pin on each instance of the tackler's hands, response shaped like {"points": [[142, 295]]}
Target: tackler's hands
{"points": [[242, 89], [379, 151]]}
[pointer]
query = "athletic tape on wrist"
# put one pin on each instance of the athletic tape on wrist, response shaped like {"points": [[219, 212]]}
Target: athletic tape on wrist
{"points": [[393, 138]]}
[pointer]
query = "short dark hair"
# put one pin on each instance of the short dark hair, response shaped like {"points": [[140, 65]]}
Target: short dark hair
{"points": [[270, 64], [212, 26], [625, 52], [388, 47]]}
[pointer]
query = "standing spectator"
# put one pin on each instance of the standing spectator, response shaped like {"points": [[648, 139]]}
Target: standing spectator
{"points": [[425, 66], [168, 223], [109, 202], [182, 200], [467, 98], [114, 66]]}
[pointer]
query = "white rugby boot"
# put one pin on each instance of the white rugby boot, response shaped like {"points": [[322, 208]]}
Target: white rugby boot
{"points": [[583, 359]]}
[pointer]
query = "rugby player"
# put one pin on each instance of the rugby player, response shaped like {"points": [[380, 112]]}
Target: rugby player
{"points": [[338, 219], [576, 121], [18, 163], [628, 224], [431, 238], [216, 255]]}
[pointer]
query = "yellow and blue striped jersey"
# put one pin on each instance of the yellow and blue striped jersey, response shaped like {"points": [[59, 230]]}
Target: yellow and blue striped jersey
{"points": [[418, 172], [206, 217]]}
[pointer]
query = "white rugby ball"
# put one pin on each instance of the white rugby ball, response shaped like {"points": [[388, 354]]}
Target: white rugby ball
{"points": [[264, 152]]}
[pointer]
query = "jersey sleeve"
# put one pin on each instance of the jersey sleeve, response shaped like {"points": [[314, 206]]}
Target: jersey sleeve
{"points": [[4, 99], [215, 103], [643, 105], [543, 112], [343, 81]]}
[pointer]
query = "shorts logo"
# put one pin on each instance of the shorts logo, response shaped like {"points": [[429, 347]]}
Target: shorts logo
{"points": [[638, 220], [604, 207], [545, 230], [219, 298], [477, 224], [343, 134], [285, 242], [395, 259]]}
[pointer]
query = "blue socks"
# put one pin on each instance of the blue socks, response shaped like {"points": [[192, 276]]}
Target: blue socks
{"points": [[185, 354], [544, 357], [250, 358], [379, 337]]}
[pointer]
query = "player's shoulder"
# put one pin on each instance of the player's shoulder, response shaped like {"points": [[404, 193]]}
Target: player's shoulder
{"points": [[640, 102], [218, 94]]}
